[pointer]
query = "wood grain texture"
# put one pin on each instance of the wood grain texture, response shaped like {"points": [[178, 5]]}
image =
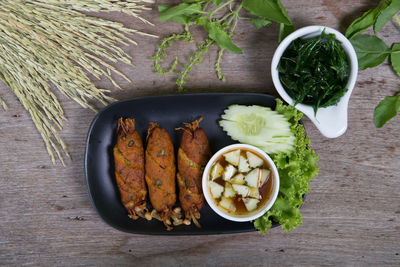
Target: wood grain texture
{"points": [[351, 215]]}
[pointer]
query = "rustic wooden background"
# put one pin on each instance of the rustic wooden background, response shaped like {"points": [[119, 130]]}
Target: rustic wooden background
{"points": [[351, 215]]}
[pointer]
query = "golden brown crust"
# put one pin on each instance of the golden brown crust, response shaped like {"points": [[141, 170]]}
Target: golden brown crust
{"points": [[188, 196], [193, 155], [161, 200], [129, 168], [160, 148], [195, 145], [190, 170], [160, 171]]}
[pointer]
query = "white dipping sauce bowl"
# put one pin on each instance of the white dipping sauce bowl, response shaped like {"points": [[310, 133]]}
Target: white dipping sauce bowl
{"points": [[330, 121], [260, 210]]}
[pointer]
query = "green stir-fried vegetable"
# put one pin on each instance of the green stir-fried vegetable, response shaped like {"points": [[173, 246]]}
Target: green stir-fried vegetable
{"points": [[315, 71], [296, 169]]}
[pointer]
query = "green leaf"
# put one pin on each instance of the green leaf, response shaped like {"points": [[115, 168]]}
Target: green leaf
{"points": [[386, 110], [395, 58], [362, 23], [221, 37], [162, 7], [295, 172], [386, 14], [179, 10], [260, 22], [201, 21], [284, 31], [371, 51], [269, 9], [182, 19], [217, 2]]}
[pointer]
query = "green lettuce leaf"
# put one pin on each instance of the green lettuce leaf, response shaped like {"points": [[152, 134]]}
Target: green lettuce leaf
{"points": [[295, 171]]}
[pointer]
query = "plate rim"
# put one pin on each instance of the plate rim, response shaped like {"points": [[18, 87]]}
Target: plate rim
{"points": [[165, 233]]}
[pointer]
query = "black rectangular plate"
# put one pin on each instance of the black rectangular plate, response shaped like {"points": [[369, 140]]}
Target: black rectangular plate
{"points": [[170, 112]]}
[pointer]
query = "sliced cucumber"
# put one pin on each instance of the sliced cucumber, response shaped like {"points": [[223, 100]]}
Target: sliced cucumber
{"points": [[250, 203], [229, 192], [264, 176], [243, 165], [229, 172], [254, 160], [283, 147], [238, 179], [227, 203], [233, 157], [251, 178], [216, 171], [242, 190], [216, 189], [258, 126]]}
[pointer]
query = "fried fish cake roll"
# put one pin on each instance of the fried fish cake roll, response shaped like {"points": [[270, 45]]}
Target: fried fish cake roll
{"points": [[160, 175], [129, 169], [193, 154]]}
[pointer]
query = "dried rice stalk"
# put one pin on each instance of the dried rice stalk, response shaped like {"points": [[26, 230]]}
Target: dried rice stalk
{"points": [[44, 41]]}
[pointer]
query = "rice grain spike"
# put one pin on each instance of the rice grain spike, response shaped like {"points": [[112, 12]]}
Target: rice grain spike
{"points": [[52, 41]]}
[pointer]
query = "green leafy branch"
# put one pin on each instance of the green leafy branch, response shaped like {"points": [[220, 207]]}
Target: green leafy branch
{"points": [[162, 51], [220, 28], [194, 60], [372, 51]]}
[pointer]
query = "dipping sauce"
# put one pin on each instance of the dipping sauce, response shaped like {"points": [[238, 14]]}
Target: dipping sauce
{"points": [[240, 182]]}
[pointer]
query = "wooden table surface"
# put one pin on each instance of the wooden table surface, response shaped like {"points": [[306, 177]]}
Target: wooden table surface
{"points": [[351, 215]]}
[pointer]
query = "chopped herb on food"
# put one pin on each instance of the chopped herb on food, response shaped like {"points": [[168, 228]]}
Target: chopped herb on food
{"points": [[315, 71]]}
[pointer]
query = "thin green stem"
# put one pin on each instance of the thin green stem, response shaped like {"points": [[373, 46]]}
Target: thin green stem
{"points": [[236, 17], [225, 17], [206, 6], [194, 60], [218, 8], [161, 53]]}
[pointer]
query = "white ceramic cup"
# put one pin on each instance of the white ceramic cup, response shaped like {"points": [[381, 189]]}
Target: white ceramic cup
{"points": [[260, 211], [330, 121]]}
